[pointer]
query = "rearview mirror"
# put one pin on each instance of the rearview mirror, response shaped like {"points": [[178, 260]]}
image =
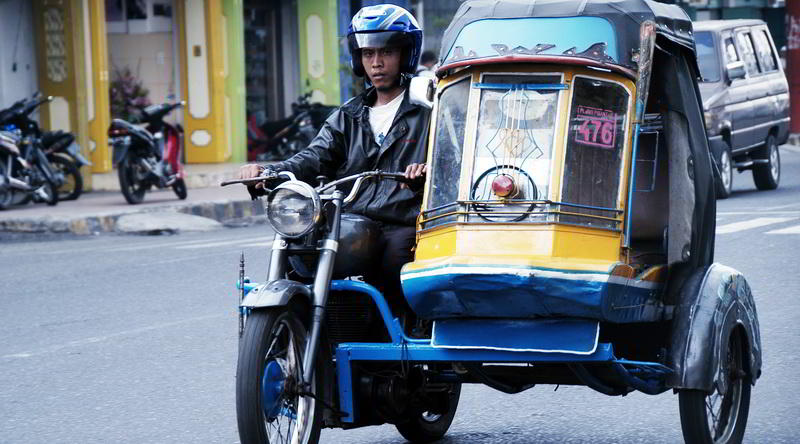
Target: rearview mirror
{"points": [[735, 70], [420, 91]]}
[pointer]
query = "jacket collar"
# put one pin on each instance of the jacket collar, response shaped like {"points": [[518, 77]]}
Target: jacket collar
{"points": [[356, 107]]}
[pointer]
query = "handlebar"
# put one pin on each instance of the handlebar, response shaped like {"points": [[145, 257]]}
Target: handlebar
{"points": [[358, 178]]}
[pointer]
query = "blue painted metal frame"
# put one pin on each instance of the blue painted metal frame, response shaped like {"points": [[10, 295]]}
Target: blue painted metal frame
{"points": [[402, 348]]}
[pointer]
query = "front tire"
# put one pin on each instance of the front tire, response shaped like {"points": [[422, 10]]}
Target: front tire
{"points": [[721, 416], [768, 176], [132, 180], [725, 181], [179, 187], [268, 374], [429, 426], [73, 181]]}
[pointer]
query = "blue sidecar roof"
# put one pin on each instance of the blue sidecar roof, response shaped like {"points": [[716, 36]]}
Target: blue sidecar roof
{"points": [[602, 31]]}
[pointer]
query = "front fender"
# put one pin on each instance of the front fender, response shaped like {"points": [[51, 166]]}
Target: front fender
{"points": [[277, 293], [713, 301]]}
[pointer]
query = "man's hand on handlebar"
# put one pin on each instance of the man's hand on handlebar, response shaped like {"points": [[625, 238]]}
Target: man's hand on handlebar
{"points": [[252, 170], [416, 174]]}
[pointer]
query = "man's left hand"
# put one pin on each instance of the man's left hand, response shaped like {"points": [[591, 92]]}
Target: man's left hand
{"points": [[415, 172]]}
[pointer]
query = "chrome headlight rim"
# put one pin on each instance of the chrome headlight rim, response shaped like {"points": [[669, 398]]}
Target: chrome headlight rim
{"points": [[304, 190]]}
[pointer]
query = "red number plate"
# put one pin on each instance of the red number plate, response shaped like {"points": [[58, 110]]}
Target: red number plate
{"points": [[596, 127]]}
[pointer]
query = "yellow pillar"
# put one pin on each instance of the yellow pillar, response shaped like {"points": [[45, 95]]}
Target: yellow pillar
{"points": [[61, 68], [202, 52], [99, 107]]}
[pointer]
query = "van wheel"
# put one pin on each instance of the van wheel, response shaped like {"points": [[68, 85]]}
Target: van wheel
{"points": [[725, 180], [767, 176]]}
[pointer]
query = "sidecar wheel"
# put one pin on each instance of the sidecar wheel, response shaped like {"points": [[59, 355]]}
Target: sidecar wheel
{"points": [[268, 408], [721, 416], [425, 427]]}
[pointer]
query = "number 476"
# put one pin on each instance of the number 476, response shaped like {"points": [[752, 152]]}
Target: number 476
{"points": [[591, 128]]}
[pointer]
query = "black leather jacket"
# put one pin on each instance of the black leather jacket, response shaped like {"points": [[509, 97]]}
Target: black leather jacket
{"points": [[345, 145]]}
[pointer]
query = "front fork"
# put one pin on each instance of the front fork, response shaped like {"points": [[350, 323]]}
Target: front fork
{"points": [[322, 282]]}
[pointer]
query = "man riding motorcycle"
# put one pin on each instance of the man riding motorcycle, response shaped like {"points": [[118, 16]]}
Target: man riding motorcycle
{"points": [[378, 129]]}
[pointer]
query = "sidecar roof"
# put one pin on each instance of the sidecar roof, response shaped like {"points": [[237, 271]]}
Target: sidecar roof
{"points": [[604, 32]]}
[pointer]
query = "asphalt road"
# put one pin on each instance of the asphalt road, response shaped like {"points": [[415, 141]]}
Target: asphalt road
{"points": [[133, 339]]}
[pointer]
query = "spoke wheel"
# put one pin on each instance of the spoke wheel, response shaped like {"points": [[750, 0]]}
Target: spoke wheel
{"points": [[73, 181], [132, 180], [270, 407], [720, 416], [725, 182], [768, 176]]}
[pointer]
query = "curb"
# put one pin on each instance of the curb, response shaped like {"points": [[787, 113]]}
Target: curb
{"points": [[225, 212], [794, 139]]}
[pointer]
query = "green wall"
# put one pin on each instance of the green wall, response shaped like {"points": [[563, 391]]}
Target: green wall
{"points": [[234, 82], [319, 42]]}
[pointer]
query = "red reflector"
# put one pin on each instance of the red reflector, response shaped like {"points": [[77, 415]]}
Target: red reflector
{"points": [[503, 186]]}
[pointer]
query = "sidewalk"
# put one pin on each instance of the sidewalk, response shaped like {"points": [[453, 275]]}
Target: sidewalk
{"points": [[104, 210]]}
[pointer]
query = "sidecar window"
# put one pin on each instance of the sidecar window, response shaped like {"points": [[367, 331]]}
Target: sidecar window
{"points": [[596, 137], [516, 129], [451, 120]]}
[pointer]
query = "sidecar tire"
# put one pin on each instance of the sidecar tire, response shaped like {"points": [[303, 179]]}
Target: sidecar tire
{"points": [[418, 429], [253, 346], [693, 403]]}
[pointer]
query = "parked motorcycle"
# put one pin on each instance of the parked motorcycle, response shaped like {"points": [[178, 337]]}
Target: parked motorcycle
{"points": [[19, 175], [16, 120], [280, 139], [65, 156], [151, 156]]}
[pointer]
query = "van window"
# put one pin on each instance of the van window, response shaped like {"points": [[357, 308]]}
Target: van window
{"points": [[731, 55], [766, 58], [748, 53], [707, 57]]}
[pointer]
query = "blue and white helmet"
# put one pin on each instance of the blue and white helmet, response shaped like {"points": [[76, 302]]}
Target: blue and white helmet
{"points": [[382, 26]]}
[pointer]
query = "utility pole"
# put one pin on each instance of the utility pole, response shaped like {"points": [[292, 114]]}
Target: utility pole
{"points": [[793, 61]]}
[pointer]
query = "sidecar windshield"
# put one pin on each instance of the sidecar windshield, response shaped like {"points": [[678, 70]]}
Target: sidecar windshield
{"points": [[516, 129]]}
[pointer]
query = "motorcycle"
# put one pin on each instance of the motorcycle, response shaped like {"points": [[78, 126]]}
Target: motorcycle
{"points": [[566, 236], [151, 156], [65, 156], [60, 148], [16, 119], [280, 139], [19, 175]]}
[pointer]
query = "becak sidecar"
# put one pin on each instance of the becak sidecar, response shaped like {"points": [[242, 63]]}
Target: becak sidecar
{"points": [[567, 224]]}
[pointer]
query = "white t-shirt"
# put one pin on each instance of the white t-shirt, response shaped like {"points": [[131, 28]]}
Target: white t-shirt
{"points": [[381, 117]]}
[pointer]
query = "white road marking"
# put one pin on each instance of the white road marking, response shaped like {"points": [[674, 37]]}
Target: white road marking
{"points": [[224, 243], [750, 224], [788, 230], [103, 338], [796, 204]]}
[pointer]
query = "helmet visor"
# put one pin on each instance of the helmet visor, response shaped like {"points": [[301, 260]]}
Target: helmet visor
{"points": [[384, 39]]}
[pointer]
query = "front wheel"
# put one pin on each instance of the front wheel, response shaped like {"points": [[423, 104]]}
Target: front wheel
{"points": [[47, 191], [132, 180], [270, 404], [179, 187], [767, 175], [431, 425], [721, 416], [73, 181], [725, 181]]}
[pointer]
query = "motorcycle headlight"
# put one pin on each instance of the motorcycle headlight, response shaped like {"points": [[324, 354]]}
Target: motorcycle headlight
{"points": [[293, 208]]}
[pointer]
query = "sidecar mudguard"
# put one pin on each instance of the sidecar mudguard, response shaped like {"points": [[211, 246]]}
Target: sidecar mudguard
{"points": [[277, 293], [713, 301]]}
